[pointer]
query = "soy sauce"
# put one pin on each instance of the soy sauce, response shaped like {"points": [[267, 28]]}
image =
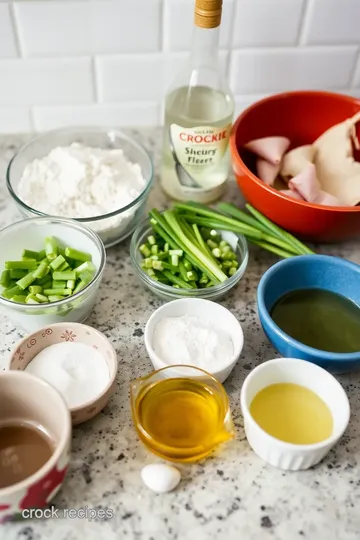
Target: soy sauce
{"points": [[320, 319]]}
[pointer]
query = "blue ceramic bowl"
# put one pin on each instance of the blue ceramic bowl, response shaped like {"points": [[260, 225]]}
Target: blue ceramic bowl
{"points": [[304, 272]]}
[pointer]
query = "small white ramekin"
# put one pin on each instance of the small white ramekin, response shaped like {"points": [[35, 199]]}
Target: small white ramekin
{"points": [[209, 312], [278, 453]]}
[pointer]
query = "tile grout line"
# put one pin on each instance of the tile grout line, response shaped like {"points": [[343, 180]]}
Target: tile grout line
{"points": [[354, 70], [163, 51], [94, 78], [304, 23], [32, 118], [16, 30], [162, 40], [230, 46]]}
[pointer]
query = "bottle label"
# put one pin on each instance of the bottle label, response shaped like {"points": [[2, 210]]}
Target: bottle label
{"points": [[200, 155]]}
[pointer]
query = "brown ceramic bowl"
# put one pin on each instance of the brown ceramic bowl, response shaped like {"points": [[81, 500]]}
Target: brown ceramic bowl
{"points": [[32, 344], [29, 399]]}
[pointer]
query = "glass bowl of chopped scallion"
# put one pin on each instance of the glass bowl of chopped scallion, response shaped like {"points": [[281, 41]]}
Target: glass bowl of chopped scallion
{"points": [[205, 264], [51, 270]]}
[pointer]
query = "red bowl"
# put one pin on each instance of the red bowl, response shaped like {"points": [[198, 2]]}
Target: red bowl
{"points": [[302, 117]]}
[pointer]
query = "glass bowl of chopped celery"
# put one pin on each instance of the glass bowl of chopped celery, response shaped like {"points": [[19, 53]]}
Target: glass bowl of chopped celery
{"points": [[51, 269], [205, 264], [99, 176]]}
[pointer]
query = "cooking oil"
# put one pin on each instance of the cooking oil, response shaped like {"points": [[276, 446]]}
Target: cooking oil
{"points": [[181, 419], [292, 413]]}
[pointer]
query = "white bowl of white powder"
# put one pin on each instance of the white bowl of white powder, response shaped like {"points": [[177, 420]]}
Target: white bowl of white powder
{"points": [[98, 176], [194, 332]]}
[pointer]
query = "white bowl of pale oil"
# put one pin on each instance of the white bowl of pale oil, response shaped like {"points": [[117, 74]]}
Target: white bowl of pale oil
{"points": [[181, 413], [294, 412]]}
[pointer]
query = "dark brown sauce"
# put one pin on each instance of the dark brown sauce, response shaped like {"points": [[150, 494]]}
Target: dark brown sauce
{"points": [[24, 449]]}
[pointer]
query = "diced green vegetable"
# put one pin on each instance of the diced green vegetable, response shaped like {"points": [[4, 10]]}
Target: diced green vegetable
{"points": [[64, 276], [42, 297], [20, 298], [57, 285], [51, 248], [16, 274], [35, 289], [31, 299], [62, 292], [27, 280], [48, 275], [41, 271], [79, 287], [36, 255], [77, 255], [5, 279], [20, 265], [86, 276], [55, 298], [86, 266], [56, 263]]}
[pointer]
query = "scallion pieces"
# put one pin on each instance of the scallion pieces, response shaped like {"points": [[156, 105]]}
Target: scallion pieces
{"points": [[45, 276], [177, 254]]}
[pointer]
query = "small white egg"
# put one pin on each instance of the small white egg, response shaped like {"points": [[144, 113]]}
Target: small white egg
{"points": [[160, 478]]}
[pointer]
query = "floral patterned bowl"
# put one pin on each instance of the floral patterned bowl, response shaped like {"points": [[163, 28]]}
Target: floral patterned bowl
{"points": [[32, 344], [30, 399]]}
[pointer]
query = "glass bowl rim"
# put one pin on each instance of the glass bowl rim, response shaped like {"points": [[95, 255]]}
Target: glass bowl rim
{"points": [[72, 224], [74, 129], [168, 289], [226, 410]]}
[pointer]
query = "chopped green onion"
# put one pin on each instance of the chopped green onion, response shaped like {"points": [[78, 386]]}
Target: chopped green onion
{"points": [[51, 248], [34, 289], [151, 240], [86, 276], [5, 279], [36, 255], [84, 267], [16, 274], [55, 298], [27, 280], [31, 299], [62, 292], [12, 291], [77, 255], [56, 263], [41, 297], [175, 260], [64, 276], [41, 271], [57, 285], [20, 298], [20, 265]]}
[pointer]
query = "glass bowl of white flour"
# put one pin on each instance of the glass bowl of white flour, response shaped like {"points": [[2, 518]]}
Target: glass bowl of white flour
{"points": [[98, 176]]}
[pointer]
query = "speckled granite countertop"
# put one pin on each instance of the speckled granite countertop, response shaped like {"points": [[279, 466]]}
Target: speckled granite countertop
{"points": [[231, 496]]}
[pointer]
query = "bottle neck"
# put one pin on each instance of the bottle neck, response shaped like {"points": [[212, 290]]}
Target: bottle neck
{"points": [[205, 47]]}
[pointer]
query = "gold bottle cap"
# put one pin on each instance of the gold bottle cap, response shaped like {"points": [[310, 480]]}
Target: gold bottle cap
{"points": [[208, 13]]}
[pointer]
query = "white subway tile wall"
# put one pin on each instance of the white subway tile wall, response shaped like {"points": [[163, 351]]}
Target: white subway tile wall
{"points": [[66, 62]]}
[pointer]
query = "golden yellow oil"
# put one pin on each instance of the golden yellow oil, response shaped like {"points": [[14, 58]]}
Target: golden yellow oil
{"points": [[292, 413], [183, 419]]}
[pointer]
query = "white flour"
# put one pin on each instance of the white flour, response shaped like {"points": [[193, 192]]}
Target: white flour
{"points": [[189, 340], [82, 182]]}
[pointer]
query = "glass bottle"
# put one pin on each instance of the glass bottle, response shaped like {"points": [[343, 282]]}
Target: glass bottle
{"points": [[198, 116]]}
